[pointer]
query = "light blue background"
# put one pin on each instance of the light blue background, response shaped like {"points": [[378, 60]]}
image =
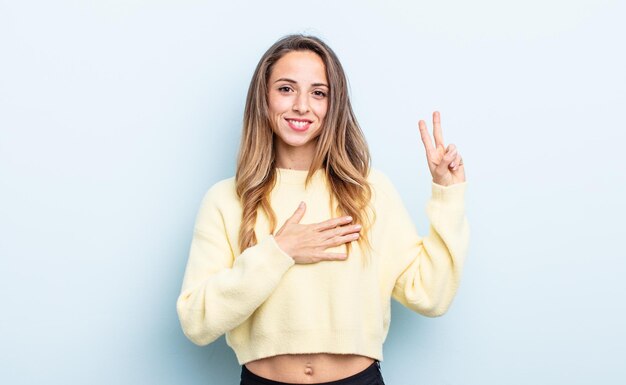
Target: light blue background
{"points": [[116, 116]]}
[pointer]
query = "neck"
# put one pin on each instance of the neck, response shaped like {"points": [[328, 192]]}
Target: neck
{"points": [[294, 158]]}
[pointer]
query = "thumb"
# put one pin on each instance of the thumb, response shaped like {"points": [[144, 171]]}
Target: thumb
{"points": [[298, 214]]}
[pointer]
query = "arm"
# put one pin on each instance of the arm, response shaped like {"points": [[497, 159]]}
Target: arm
{"points": [[219, 291], [432, 266], [428, 270]]}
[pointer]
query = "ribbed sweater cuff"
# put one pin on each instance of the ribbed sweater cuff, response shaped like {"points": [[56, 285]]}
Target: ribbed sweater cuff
{"points": [[453, 193], [272, 257]]}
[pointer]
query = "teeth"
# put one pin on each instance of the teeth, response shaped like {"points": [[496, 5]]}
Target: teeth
{"points": [[298, 123]]}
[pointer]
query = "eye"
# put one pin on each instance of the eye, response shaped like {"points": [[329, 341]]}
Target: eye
{"points": [[284, 89], [320, 93]]}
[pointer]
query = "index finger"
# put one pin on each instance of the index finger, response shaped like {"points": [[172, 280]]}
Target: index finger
{"points": [[428, 142]]}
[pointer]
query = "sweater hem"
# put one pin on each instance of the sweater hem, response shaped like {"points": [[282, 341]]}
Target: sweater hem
{"points": [[314, 341]]}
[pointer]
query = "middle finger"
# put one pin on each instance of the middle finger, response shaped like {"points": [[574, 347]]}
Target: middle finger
{"points": [[343, 230], [437, 129]]}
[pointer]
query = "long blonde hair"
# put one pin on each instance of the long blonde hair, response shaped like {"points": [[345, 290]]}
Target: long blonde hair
{"points": [[341, 148]]}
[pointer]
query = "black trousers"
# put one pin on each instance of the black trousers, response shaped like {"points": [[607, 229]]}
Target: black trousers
{"points": [[369, 376]]}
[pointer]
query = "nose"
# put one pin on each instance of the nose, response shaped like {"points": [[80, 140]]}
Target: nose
{"points": [[301, 103]]}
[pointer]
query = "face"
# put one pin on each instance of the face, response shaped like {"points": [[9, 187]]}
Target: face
{"points": [[298, 101]]}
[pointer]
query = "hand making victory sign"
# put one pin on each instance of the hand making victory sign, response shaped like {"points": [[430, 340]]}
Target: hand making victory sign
{"points": [[446, 166]]}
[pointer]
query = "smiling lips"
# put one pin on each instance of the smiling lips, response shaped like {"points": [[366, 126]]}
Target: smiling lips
{"points": [[299, 124]]}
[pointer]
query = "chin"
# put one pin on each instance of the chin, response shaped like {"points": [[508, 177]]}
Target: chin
{"points": [[295, 140], [298, 143]]}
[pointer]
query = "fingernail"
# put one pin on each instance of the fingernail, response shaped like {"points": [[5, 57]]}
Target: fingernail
{"points": [[452, 164], [348, 218], [301, 204]]}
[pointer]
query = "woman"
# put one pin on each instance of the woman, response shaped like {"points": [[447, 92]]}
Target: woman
{"points": [[310, 302]]}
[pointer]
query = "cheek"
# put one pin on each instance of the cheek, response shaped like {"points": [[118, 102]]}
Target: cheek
{"points": [[321, 110], [272, 107], [276, 105]]}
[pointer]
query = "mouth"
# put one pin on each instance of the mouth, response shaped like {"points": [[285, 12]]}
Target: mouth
{"points": [[299, 124]]}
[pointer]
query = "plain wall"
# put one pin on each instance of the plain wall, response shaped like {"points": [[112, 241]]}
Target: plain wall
{"points": [[117, 116]]}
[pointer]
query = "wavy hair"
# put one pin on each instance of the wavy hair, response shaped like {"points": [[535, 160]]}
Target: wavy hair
{"points": [[341, 149]]}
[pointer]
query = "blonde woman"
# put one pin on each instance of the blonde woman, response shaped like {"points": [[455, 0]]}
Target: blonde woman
{"points": [[297, 257]]}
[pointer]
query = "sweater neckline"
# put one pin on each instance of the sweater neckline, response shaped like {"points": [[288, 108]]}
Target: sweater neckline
{"points": [[296, 177]]}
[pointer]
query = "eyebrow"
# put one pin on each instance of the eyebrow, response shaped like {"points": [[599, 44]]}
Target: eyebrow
{"points": [[295, 82]]}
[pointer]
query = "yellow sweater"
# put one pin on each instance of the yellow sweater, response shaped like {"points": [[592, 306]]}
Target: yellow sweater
{"points": [[268, 305]]}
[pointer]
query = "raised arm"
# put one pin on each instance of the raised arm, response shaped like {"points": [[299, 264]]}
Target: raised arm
{"points": [[432, 265], [428, 270]]}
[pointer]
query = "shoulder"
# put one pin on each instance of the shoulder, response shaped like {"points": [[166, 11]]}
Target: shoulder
{"points": [[219, 201], [380, 182], [384, 193], [221, 193], [223, 187], [377, 177]]}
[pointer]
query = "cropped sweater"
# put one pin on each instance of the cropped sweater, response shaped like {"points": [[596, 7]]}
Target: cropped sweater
{"points": [[268, 305]]}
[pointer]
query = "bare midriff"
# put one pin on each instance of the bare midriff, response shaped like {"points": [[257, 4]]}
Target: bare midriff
{"points": [[309, 368]]}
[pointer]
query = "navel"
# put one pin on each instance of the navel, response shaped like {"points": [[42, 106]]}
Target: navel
{"points": [[308, 369]]}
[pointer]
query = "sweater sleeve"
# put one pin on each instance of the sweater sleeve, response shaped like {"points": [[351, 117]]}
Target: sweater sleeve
{"points": [[219, 291], [427, 270]]}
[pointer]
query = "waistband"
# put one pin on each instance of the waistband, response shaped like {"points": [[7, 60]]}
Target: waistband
{"points": [[369, 373]]}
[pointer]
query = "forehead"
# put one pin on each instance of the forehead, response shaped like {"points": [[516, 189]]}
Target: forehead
{"points": [[302, 66]]}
